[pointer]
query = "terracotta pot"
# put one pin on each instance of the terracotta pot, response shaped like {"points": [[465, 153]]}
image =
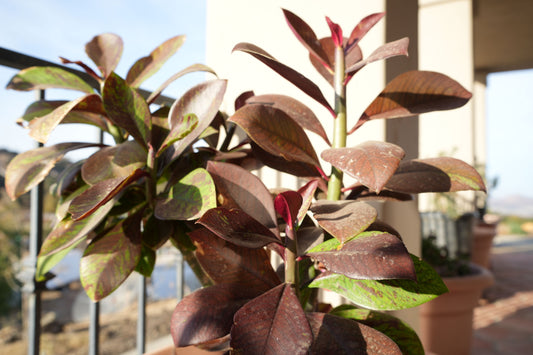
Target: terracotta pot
{"points": [[483, 235], [446, 322]]}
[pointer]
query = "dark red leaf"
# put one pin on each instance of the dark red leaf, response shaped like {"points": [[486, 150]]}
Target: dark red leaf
{"points": [[273, 323], [242, 99], [308, 193], [442, 174], [370, 163], [81, 64], [105, 51], [276, 132], [205, 315], [299, 112], [336, 335], [362, 29], [307, 37], [288, 73], [237, 227], [413, 93], [248, 269], [370, 256], [288, 204], [241, 189], [343, 219], [281, 164]]}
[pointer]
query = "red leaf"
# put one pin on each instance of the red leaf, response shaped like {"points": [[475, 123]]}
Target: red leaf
{"points": [[336, 32], [362, 29], [300, 81], [288, 204], [371, 163], [273, 323], [105, 51]]}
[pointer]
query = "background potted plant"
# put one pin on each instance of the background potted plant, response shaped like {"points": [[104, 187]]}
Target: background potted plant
{"points": [[249, 307]]}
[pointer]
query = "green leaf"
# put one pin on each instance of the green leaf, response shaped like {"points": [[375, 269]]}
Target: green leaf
{"points": [[28, 169], [110, 258], [189, 198], [402, 334], [386, 294], [42, 127], [149, 65], [105, 51], [146, 263], [127, 109], [45, 263], [36, 78]]}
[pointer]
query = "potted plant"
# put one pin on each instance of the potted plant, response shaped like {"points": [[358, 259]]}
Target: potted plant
{"points": [[446, 322], [247, 306]]}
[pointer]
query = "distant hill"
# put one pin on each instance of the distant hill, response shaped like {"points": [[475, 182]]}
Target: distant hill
{"points": [[513, 205]]}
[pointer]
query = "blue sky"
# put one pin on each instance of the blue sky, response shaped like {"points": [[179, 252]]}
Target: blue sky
{"points": [[52, 28]]}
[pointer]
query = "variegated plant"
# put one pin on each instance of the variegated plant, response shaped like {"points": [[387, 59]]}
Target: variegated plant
{"points": [[345, 248]]}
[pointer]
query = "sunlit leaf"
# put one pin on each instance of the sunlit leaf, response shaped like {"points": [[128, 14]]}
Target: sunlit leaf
{"points": [[296, 168], [415, 92], [343, 219], [273, 323], [126, 108], [306, 36], [371, 255], [105, 51], [37, 78], [110, 258], [42, 127], [113, 162], [300, 81], [362, 29], [277, 133], [307, 192], [370, 163], [336, 335], [396, 329], [189, 198], [100, 193], [441, 174], [386, 294], [28, 169], [299, 112], [147, 66], [180, 130]]}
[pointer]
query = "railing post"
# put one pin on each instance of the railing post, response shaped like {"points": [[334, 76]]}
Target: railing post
{"points": [[141, 316], [94, 328], [36, 236]]}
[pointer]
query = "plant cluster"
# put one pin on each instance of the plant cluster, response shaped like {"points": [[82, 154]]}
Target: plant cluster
{"points": [[158, 183]]}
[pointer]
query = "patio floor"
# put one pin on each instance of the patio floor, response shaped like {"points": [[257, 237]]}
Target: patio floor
{"points": [[503, 323]]}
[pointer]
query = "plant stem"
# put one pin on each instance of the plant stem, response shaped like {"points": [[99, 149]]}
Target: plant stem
{"points": [[339, 130]]}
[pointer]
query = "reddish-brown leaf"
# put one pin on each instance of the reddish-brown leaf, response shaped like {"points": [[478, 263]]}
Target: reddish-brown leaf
{"points": [[343, 219], [276, 132], [371, 163], [205, 315], [415, 92], [299, 112], [105, 51], [237, 227], [370, 256], [147, 66], [288, 204], [307, 37], [273, 323], [241, 189], [227, 263], [336, 335], [442, 174], [362, 29], [295, 168], [300, 81]]}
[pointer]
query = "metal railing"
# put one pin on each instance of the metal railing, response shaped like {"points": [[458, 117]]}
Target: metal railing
{"points": [[34, 289]]}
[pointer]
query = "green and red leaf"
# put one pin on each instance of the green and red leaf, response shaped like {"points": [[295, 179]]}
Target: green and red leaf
{"points": [[189, 198], [147, 66], [180, 129], [110, 258], [28, 169], [38, 78]]}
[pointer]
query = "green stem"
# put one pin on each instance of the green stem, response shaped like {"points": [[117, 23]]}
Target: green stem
{"points": [[339, 130]]}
